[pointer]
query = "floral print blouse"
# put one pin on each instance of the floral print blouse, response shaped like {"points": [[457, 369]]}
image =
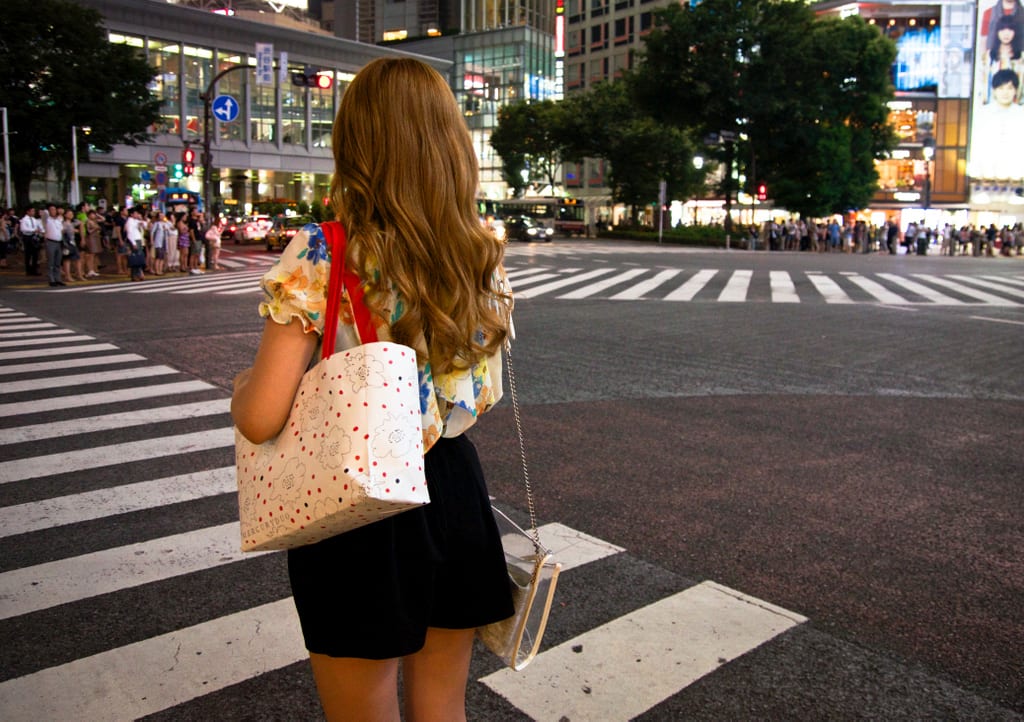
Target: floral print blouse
{"points": [[296, 288]]}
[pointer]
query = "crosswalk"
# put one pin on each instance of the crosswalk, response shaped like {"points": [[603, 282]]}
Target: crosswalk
{"points": [[123, 592], [696, 285]]}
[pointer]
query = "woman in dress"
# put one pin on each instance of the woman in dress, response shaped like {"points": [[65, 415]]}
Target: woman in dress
{"points": [[410, 590]]}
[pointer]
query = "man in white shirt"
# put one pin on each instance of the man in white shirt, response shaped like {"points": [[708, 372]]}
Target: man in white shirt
{"points": [[53, 228], [31, 230], [133, 232]]}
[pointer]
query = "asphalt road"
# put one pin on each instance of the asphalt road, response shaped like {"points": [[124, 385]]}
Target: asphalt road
{"points": [[855, 462]]}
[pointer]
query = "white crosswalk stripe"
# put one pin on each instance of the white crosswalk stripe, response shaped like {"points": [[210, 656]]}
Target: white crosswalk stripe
{"points": [[752, 286], [147, 674], [631, 283]]}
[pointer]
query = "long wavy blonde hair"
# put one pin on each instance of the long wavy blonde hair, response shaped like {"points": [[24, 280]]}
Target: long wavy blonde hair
{"points": [[404, 187]]}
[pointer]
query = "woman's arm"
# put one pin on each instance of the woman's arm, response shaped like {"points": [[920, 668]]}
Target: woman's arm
{"points": [[264, 394]]}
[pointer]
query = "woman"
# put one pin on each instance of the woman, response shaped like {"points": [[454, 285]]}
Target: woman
{"points": [[1007, 53], [410, 594], [213, 235], [184, 244], [93, 244], [159, 235], [72, 260]]}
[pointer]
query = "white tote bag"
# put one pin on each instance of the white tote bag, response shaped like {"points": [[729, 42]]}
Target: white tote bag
{"points": [[351, 451]]}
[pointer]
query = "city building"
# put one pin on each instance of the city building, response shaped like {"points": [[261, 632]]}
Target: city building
{"points": [[956, 162], [278, 146], [502, 51]]}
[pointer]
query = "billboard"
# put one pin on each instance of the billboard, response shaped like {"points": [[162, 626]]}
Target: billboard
{"points": [[997, 114]]}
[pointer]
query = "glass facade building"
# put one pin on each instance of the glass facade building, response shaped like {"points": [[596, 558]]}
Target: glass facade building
{"points": [[277, 149]]}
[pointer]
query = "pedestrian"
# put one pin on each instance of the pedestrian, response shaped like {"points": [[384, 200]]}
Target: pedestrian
{"points": [[173, 252], [213, 234], [72, 257], [184, 244], [134, 235], [411, 589], [196, 231], [5, 239], [31, 230], [159, 233], [53, 232], [93, 244], [120, 220]]}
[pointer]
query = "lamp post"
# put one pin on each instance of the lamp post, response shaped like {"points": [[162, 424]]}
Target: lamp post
{"points": [[928, 151], [698, 164], [7, 165], [75, 192]]}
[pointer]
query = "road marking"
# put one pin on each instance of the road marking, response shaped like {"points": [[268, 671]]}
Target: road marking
{"points": [[55, 364], [157, 673], [940, 299], [107, 422], [249, 284], [880, 292], [692, 287], [75, 508], [623, 668], [987, 298], [640, 289], [1016, 292], [102, 397], [999, 320], [146, 677], [31, 329], [735, 290], [535, 278], [95, 457], [828, 289], [82, 379], [62, 351], [50, 584], [1006, 279], [593, 288], [21, 343], [783, 290], [535, 291]]}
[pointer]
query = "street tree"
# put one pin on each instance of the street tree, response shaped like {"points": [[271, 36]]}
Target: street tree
{"points": [[801, 100], [639, 150], [529, 137], [58, 70]]}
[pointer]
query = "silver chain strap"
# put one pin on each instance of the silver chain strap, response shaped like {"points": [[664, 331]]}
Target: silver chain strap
{"points": [[522, 446]]}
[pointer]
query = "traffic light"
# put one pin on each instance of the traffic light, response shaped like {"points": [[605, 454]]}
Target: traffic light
{"points": [[311, 78], [188, 159], [762, 192]]}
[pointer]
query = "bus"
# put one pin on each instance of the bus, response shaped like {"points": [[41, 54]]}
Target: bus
{"points": [[567, 216], [179, 200]]}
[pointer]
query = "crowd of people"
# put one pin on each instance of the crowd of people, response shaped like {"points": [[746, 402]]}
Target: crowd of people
{"points": [[69, 244], [861, 237]]}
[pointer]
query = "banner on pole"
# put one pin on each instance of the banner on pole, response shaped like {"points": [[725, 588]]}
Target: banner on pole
{"points": [[264, 64]]}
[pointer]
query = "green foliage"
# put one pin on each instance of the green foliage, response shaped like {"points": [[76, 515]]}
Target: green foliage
{"points": [[531, 136], [640, 150], [58, 70], [806, 97]]}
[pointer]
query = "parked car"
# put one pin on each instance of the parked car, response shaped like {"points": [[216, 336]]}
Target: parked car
{"points": [[283, 231], [252, 229], [230, 228], [524, 228]]}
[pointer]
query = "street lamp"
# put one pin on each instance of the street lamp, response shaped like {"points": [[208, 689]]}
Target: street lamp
{"points": [[928, 151], [698, 164], [75, 193]]}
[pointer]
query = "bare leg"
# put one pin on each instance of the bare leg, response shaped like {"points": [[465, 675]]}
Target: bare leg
{"points": [[357, 689], [434, 678]]}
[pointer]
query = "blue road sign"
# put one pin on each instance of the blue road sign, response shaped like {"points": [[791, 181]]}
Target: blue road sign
{"points": [[225, 108]]}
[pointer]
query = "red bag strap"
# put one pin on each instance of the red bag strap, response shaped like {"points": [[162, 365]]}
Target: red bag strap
{"points": [[334, 234]]}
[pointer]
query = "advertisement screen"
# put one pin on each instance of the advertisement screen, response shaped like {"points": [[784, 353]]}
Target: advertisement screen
{"points": [[997, 118], [918, 58]]}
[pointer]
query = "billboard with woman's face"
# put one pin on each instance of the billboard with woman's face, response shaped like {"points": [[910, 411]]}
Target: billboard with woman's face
{"points": [[997, 118]]}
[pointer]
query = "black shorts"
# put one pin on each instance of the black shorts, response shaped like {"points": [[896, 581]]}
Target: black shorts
{"points": [[372, 592]]}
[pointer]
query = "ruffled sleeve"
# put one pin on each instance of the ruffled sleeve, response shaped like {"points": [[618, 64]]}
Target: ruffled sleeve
{"points": [[296, 286]]}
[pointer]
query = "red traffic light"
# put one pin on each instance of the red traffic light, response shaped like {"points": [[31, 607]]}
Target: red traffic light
{"points": [[188, 168], [188, 156], [762, 192], [323, 80]]}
